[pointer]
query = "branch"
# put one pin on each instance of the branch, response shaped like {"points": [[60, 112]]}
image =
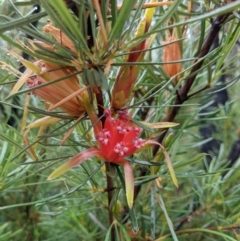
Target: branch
{"points": [[182, 93]]}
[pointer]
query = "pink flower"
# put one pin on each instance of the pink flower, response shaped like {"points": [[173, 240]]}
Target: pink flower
{"points": [[118, 139]]}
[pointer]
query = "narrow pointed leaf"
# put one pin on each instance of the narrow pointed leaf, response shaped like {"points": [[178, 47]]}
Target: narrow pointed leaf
{"points": [[67, 98], [122, 18], [160, 124], [29, 147], [149, 14], [129, 183], [21, 81], [47, 120], [66, 136], [20, 22], [169, 221], [75, 161], [134, 221], [167, 159]]}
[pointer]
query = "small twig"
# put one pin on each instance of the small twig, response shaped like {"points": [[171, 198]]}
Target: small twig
{"points": [[190, 216]]}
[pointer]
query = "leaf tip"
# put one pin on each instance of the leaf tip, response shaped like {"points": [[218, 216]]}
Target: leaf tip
{"points": [[49, 178]]}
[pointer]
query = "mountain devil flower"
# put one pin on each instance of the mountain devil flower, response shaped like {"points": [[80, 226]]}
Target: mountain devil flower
{"points": [[59, 87], [66, 94], [118, 139]]}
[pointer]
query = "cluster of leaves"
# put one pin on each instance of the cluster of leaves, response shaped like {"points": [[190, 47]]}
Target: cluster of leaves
{"points": [[76, 206]]}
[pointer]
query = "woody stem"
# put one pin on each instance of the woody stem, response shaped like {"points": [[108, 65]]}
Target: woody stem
{"points": [[183, 93], [109, 167], [110, 188]]}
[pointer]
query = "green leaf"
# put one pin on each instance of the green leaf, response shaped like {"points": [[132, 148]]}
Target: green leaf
{"points": [[14, 24], [133, 219], [69, 26], [232, 37], [123, 16], [170, 225], [193, 160]]}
